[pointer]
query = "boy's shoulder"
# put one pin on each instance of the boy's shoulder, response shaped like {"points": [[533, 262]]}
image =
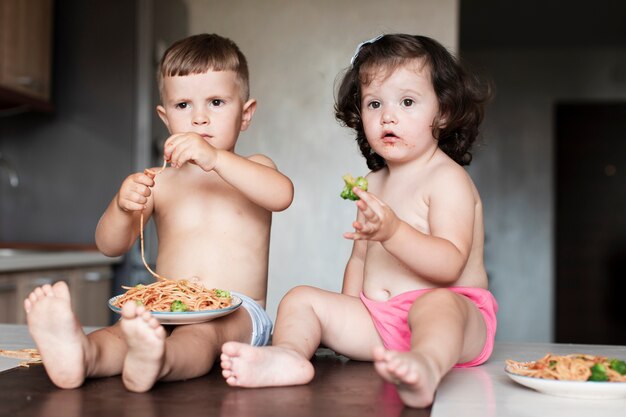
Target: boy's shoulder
{"points": [[262, 159]]}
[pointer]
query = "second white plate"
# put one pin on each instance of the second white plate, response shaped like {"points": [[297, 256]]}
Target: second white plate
{"points": [[572, 389]]}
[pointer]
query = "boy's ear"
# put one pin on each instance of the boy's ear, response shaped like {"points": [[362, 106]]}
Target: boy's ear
{"points": [[248, 110], [161, 112]]}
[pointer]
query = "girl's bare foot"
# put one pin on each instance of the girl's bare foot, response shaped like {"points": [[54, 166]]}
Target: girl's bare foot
{"points": [[145, 338], [249, 366], [57, 333], [416, 377]]}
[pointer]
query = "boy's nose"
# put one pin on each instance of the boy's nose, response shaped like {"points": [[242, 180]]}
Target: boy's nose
{"points": [[200, 118]]}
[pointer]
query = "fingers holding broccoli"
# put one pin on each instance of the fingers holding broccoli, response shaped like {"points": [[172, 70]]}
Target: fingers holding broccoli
{"points": [[351, 182]]}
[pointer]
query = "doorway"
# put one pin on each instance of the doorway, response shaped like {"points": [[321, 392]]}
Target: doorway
{"points": [[590, 218]]}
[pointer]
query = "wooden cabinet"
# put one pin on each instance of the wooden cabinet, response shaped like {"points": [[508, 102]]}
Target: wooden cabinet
{"points": [[25, 53], [90, 288]]}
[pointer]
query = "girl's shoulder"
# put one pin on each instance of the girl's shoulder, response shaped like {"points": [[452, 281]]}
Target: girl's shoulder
{"points": [[446, 172]]}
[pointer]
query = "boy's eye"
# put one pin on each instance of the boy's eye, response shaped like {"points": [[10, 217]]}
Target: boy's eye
{"points": [[408, 102], [182, 105], [217, 102]]}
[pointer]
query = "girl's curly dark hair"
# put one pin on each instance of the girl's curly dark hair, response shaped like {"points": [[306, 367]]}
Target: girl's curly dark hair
{"points": [[461, 95]]}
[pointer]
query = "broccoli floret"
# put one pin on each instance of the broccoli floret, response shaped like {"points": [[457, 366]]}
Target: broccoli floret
{"points": [[618, 365], [351, 182], [598, 373], [222, 293], [178, 306]]}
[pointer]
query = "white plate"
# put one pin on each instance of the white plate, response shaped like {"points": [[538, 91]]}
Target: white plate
{"points": [[187, 317], [572, 389]]}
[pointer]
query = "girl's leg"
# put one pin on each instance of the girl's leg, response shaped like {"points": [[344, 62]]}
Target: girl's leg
{"points": [[446, 329], [68, 354], [190, 351], [306, 317]]}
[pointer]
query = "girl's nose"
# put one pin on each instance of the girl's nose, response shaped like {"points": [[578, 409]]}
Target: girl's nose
{"points": [[388, 117]]}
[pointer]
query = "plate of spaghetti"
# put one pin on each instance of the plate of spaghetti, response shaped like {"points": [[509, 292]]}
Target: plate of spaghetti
{"points": [[575, 376], [178, 302]]}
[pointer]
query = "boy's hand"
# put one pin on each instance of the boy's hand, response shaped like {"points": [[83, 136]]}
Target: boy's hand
{"points": [[190, 147], [379, 221], [135, 190]]}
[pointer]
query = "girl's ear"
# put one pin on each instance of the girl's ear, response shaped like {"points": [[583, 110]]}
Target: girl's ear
{"points": [[248, 110], [163, 116]]}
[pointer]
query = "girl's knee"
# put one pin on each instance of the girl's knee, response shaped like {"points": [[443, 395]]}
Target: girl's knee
{"points": [[300, 295], [304, 297], [440, 298]]}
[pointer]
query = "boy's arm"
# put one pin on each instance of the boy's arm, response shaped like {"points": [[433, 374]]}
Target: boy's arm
{"points": [[119, 226], [257, 178]]}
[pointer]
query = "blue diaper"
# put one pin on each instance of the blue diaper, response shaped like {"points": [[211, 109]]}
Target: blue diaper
{"points": [[261, 322]]}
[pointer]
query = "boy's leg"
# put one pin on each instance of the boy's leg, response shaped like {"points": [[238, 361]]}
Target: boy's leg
{"points": [[446, 329], [69, 356], [306, 317], [190, 351]]}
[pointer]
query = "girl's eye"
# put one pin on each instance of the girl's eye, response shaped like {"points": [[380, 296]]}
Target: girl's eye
{"points": [[374, 105], [407, 102]]}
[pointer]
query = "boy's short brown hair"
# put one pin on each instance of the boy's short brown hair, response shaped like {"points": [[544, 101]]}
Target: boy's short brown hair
{"points": [[198, 54]]}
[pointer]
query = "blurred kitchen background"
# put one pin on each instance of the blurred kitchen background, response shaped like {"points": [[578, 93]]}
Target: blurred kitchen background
{"points": [[550, 165]]}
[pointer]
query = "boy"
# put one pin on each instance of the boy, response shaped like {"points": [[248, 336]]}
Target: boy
{"points": [[212, 210]]}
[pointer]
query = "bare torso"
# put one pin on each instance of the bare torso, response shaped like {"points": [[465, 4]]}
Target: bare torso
{"points": [[209, 230], [384, 275]]}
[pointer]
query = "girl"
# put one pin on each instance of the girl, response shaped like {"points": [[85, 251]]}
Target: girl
{"points": [[414, 298]]}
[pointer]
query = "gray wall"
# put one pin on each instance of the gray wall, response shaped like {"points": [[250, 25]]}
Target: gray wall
{"points": [[514, 170]]}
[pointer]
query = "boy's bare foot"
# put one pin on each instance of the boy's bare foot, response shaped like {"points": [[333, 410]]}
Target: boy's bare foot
{"points": [[269, 366], [145, 338], [417, 379], [57, 333]]}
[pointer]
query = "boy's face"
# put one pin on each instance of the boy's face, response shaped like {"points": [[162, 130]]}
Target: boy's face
{"points": [[208, 104], [397, 110]]}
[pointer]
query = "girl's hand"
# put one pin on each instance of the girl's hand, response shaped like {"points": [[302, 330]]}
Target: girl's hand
{"points": [[135, 190], [379, 221], [190, 147]]}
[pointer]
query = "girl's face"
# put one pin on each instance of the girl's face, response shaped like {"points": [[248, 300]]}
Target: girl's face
{"points": [[208, 104], [398, 109]]}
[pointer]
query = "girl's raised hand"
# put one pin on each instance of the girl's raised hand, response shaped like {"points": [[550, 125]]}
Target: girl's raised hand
{"points": [[379, 222], [135, 190], [190, 147]]}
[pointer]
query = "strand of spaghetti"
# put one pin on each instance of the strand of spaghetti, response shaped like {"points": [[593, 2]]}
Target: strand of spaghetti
{"points": [[143, 257]]}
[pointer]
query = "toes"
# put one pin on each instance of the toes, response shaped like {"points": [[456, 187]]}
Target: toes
{"points": [[59, 289], [38, 293], [231, 349], [47, 290]]}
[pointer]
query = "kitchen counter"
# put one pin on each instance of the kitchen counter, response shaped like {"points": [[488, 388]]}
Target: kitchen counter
{"points": [[25, 259], [341, 387]]}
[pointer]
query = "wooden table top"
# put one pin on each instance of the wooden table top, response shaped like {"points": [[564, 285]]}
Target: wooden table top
{"points": [[340, 388]]}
